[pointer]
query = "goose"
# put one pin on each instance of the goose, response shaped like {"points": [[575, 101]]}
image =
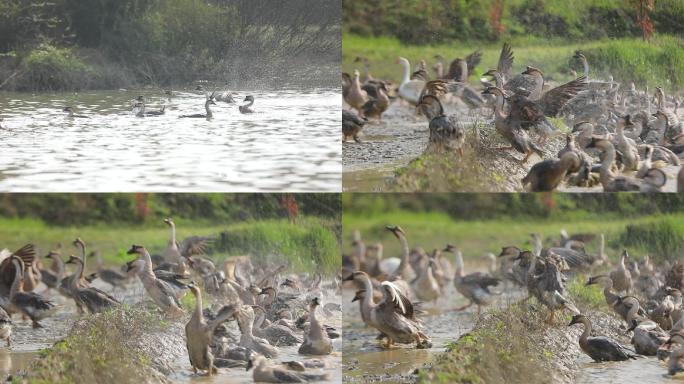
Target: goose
{"points": [[245, 319], [474, 286], [161, 292], [445, 132], [393, 316], [208, 114], [404, 270], [355, 95], [70, 113], [263, 373], [29, 304], [378, 101], [94, 299], [625, 306], [652, 181], [621, 277], [53, 277], [352, 125], [110, 276], [546, 175], [648, 336], [316, 342], [600, 348], [199, 333], [246, 108], [412, 90], [510, 128]]}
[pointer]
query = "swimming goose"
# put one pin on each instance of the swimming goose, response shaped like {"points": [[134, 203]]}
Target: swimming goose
{"points": [[29, 304], [199, 333], [161, 292], [246, 108], [263, 373], [316, 342], [70, 113], [600, 348], [208, 114]]}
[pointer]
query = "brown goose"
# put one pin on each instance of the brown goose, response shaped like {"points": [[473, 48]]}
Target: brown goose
{"points": [[474, 286], [29, 304], [94, 299], [199, 333], [509, 126], [351, 126], [546, 175], [445, 132], [356, 97], [378, 101]]}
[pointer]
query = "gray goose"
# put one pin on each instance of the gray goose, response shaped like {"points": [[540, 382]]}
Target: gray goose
{"points": [[445, 132]]}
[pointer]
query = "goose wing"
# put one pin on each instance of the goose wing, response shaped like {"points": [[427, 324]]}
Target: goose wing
{"points": [[505, 61], [555, 99], [398, 302], [194, 245], [606, 349]]}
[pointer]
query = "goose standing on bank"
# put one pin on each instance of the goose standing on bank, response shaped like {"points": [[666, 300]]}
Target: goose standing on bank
{"points": [[29, 304], [474, 286]]}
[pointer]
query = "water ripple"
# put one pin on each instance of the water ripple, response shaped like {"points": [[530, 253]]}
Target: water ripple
{"points": [[291, 143]]}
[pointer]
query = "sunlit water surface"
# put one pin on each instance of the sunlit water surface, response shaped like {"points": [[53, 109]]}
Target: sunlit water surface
{"points": [[291, 143]]}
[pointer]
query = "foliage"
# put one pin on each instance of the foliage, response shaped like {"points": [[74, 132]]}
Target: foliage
{"points": [[436, 21], [660, 63], [53, 68], [585, 297], [171, 42], [503, 348], [663, 239], [69, 209], [99, 350]]}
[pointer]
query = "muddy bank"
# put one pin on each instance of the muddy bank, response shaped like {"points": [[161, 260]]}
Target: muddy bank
{"points": [[532, 351], [391, 157], [383, 161]]}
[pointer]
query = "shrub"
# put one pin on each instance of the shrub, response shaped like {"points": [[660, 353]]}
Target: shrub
{"points": [[662, 239], [50, 68]]}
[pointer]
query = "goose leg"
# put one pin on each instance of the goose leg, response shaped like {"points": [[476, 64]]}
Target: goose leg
{"points": [[460, 153], [36, 324], [503, 148], [463, 307], [9, 342], [527, 156]]}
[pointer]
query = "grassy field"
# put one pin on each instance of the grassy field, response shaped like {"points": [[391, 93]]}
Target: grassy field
{"points": [[431, 230], [308, 245], [659, 63]]}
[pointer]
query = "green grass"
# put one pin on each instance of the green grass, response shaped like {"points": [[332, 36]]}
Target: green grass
{"points": [[309, 245], [630, 59], [100, 349], [475, 237], [503, 348], [586, 296]]}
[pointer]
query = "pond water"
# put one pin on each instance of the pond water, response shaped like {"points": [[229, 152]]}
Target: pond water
{"points": [[291, 142]]}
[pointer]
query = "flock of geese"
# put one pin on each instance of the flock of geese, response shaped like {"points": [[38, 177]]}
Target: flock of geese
{"points": [[647, 297], [138, 106], [621, 137], [271, 309]]}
